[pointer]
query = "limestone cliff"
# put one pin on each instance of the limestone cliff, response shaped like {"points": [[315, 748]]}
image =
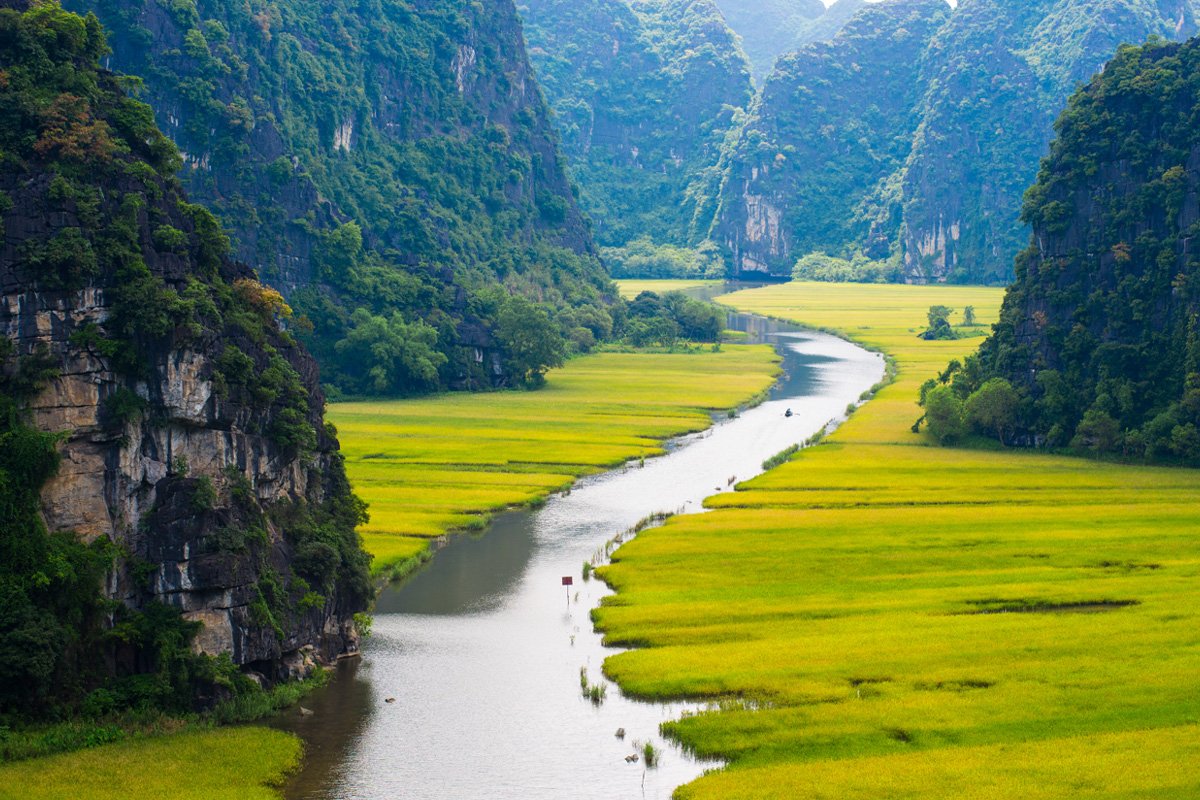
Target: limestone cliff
{"points": [[1100, 331], [191, 424]]}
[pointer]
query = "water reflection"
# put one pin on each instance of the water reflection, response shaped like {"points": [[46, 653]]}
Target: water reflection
{"points": [[481, 652]]}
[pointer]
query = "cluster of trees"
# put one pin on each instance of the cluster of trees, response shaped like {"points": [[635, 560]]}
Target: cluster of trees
{"points": [[856, 269], [956, 404], [642, 258], [653, 319], [940, 327]]}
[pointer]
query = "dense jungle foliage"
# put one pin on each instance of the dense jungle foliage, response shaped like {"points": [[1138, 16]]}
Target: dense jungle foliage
{"points": [[644, 94], [90, 202], [1098, 346], [396, 158]]}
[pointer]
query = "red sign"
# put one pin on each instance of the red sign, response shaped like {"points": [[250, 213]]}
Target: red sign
{"points": [[568, 580]]}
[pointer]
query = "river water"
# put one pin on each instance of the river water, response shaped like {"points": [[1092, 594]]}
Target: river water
{"points": [[469, 686]]}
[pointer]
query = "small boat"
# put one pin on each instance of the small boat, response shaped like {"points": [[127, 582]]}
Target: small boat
{"points": [[787, 413]]}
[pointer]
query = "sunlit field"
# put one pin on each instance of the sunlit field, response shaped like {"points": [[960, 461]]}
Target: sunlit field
{"points": [[893, 619], [632, 288], [224, 764], [430, 466]]}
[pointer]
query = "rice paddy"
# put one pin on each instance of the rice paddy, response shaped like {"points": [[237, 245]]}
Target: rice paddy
{"points": [[885, 618], [223, 764], [431, 466], [632, 288]]}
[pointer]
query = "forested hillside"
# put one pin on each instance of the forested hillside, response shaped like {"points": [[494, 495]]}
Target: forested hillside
{"points": [[1100, 333], [644, 92], [815, 167], [172, 506], [392, 160], [988, 86], [772, 28]]}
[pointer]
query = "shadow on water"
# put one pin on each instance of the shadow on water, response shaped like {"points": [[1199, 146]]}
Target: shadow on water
{"points": [[481, 651]]}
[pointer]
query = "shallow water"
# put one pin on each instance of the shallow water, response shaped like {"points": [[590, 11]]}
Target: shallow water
{"points": [[481, 652]]}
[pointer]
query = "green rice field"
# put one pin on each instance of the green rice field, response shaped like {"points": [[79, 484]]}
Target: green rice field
{"points": [[434, 465], [885, 618]]}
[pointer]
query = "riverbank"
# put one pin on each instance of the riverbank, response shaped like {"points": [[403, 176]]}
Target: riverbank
{"points": [[431, 466], [940, 622]]}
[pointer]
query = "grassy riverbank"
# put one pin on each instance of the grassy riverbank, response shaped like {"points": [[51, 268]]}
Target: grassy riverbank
{"points": [[433, 465], [223, 764], [914, 621]]}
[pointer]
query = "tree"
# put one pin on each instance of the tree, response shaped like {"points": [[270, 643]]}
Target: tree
{"points": [[944, 414], [969, 315], [992, 408], [1097, 431], [530, 341], [939, 323], [387, 355]]}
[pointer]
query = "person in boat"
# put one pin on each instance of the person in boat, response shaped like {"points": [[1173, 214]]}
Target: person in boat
{"points": [[787, 413]]}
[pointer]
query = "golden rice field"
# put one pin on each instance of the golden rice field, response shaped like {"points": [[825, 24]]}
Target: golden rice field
{"points": [[433, 465], [632, 288], [223, 764], [892, 619]]}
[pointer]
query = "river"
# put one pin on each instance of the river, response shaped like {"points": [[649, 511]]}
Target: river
{"points": [[469, 686]]}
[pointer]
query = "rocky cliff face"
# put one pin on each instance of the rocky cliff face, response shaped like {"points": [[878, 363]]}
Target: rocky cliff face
{"points": [[1100, 330], [996, 77], [644, 94], [421, 124], [813, 167], [191, 420]]}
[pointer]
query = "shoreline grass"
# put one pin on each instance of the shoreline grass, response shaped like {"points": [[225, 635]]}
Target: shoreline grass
{"points": [[905, 620], [434, 466]]}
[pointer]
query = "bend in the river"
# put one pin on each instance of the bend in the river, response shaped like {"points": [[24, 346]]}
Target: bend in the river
{"points": [[470, 684]]}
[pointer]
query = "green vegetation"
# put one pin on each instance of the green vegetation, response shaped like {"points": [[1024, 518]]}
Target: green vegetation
{"points": [[430, 466], [1098, 343], [644, 93], [857, 269], [642, 258], [849, 604], [352, 199], [227, 764]]}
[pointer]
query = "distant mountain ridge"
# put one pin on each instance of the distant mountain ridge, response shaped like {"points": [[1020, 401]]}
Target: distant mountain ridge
{"points": [[989, 83]]}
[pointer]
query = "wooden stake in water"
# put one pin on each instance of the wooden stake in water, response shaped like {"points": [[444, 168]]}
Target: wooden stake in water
{"points": [[568, 581]]}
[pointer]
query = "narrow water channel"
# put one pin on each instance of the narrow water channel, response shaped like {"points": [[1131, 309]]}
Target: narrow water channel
{"points": [[469, 686]]}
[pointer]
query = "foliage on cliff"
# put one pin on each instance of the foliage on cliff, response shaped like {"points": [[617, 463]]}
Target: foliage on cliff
{"points": [[396, 158], [1099, 332], [814, 167], [97, 226], [644, 93]]}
